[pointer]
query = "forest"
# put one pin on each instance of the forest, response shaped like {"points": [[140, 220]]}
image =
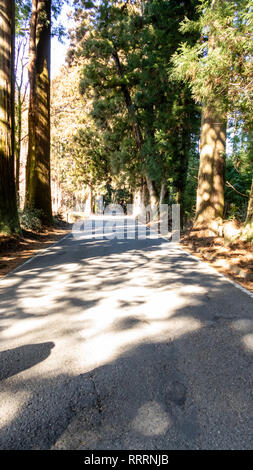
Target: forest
{"points": [[118, 331], [154, 105]]}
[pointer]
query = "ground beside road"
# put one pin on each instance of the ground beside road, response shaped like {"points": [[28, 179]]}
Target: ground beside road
{"points": [[16, 250], [233, 259]]}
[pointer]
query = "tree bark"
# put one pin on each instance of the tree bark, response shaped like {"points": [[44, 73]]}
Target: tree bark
{"points": [[38, 187], [163, 192], [211, 177], [248, 228], [154, 201], [8, 205]]}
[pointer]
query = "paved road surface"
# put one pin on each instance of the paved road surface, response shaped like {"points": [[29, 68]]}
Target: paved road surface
{"points": [[124, 344]]}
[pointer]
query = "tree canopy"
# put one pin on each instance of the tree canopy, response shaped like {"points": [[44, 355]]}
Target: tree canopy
{"points": [[155, 99]]}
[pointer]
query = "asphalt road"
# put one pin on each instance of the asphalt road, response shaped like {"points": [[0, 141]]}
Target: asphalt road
{"points": [[124, 344]]}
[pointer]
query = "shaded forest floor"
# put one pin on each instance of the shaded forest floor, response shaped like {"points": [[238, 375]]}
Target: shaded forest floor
{"points": [[14, 251], [234, 260]]}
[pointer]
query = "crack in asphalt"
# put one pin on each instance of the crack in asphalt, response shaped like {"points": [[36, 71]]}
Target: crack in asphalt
{"points": [[98, 398]]}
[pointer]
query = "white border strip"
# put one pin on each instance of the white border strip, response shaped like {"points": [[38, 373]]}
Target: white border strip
{"points": [[40, 253]]}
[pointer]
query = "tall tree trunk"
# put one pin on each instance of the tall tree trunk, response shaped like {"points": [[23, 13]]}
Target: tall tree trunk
{"points": [[248, 229], [211, 177], [8, 205], [38, 189], [183, 149], [210, 193]]}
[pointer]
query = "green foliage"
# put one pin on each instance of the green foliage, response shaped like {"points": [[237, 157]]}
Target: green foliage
{"points": [[58, 220], [239, 174], [191, 185], [58, 29], [23, 12], [30, 219], [142, 36], [218, 66], [151, 64]]}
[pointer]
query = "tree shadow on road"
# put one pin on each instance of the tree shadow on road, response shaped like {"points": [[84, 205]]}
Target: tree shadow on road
{"points": [[193, 391], [178, 376], [14, 361]]}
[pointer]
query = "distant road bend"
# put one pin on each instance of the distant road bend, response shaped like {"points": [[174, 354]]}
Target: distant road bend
{"points": [[124, 344]]}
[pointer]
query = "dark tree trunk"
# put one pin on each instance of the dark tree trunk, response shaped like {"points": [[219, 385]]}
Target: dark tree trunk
{"points": [[38, 187], [248, 229], [8, 204], [183, 145]]}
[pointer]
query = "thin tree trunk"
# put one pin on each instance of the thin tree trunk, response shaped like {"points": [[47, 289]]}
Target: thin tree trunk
{"points": [[211, 181], [163, 191], [21, 92], [88, 202], [18, 141], [183, 146], [8, 205], [248, 229], [152, 194], [38, 189]]}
